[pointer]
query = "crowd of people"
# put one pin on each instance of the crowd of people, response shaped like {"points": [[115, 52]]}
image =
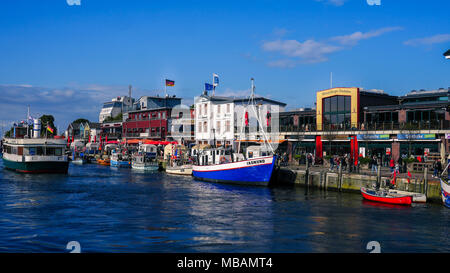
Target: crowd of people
{"points": [[347, 164]]}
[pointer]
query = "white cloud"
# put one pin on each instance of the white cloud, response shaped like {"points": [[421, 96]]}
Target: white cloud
{"points": [[333, 2], [73, 2], [440, 38], [312, 51], [354, 38]]}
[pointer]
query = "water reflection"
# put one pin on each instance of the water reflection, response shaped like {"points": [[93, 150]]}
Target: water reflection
{"points": [[119, 210]]}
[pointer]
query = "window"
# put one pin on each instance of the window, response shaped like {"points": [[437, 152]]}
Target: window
{"points": [[228, 108], [337, 110], [218, 127], [205, 127], [199, 127], [218, 109], [227, 126]]}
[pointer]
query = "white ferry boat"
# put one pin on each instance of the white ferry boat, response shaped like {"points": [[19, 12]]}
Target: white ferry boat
{"points": [[35, 155]]}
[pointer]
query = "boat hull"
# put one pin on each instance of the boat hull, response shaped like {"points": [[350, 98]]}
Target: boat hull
{"points": [[416, 197], [104, 162], [78, 162], [249, 172], [402, 200], [179, 171], [37, 167], [152, 168], [445, 193], [120, 164]]}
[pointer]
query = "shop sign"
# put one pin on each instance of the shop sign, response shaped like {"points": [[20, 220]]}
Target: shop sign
{"points": [[388, 151], [447, 136], [415, 136], [373, 137], [362, 151]]}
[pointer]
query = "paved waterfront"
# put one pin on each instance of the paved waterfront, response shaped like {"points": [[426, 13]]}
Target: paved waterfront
{"points": [[110, 210]]}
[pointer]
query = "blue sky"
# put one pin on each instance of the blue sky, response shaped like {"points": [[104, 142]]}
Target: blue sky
{"points": [[66, 59]]}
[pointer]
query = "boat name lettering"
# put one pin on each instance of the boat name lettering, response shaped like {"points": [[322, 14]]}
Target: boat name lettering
{"points": [[256, 162]]}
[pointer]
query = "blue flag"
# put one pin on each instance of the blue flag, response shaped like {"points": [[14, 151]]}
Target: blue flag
{"points": [[215, 79], [208, 86]]}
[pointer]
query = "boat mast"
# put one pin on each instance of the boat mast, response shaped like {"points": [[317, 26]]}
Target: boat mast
{"points": [[258, 116]]}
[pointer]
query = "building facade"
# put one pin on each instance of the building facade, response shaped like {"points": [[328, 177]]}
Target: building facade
{"points": [[222, 120], [370, 122], [115, 107]]}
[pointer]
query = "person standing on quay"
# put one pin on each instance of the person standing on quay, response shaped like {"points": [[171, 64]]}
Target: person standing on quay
{"points": [[392, 165], [331, 163], [437, 166], [374, 164]]}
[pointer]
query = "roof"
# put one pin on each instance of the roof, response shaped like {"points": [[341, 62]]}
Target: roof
{"points": [[75, 125], [426, 93], [233, 99], [158, 97], [148, 110], [299, 112], [94, 125]]}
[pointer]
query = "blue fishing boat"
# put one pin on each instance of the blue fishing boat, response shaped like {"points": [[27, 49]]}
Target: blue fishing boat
{"points": [[445, 192], [253, 171], [119, 160], [253, 167]]}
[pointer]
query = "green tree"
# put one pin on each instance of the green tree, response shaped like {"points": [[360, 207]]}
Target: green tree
{"points": [[117, 118], [80, 120], [47, 120]]}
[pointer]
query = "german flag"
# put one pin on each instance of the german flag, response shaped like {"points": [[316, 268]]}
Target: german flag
{"points": [[170, 83], [50, 129]]}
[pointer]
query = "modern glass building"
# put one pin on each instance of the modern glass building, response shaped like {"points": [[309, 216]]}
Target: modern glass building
{"points": [[362, 122]]}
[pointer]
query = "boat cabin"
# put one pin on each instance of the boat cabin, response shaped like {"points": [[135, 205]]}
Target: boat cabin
{"points": [[257, 151], [149, 149]]}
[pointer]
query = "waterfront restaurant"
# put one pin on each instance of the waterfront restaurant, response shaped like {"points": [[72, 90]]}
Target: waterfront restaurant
{"points": [[369, 122]]}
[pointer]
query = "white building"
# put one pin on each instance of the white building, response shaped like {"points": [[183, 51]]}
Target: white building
{"points": [[221, 120], [115, 107], [181, 124], [214, 120]]}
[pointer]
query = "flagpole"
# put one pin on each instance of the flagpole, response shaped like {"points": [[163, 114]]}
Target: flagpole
{"points": [[165, 88], [28, 119], [214, 86]]}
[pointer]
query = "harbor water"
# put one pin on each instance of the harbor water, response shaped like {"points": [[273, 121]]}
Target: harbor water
{"points": [[121, 210]]}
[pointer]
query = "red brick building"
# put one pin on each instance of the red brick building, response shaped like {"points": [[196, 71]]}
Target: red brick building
{"points": [[146, 124]]}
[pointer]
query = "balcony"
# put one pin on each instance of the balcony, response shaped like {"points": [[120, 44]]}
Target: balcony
{"points": [[371, 126]]}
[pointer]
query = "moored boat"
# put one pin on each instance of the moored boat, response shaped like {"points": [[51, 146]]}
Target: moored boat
{"points": [[142, 162], [445, 193], [145, 158], [179, 170], [35, 155], [254, 166], [416, 197], [79, 161], [119, 160], [386, 197], [104, 162]]}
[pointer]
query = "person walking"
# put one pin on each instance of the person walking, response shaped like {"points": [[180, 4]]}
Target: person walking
{"points": [[400, 164], [374, 164], [392, 165], [437, 166], [331, 163], [344, 163]]}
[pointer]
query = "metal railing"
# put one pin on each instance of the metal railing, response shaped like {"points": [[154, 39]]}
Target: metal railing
{"points": [[370, 126]]}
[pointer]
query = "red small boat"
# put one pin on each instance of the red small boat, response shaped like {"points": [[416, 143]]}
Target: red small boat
{"points": [[386, 197]]}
